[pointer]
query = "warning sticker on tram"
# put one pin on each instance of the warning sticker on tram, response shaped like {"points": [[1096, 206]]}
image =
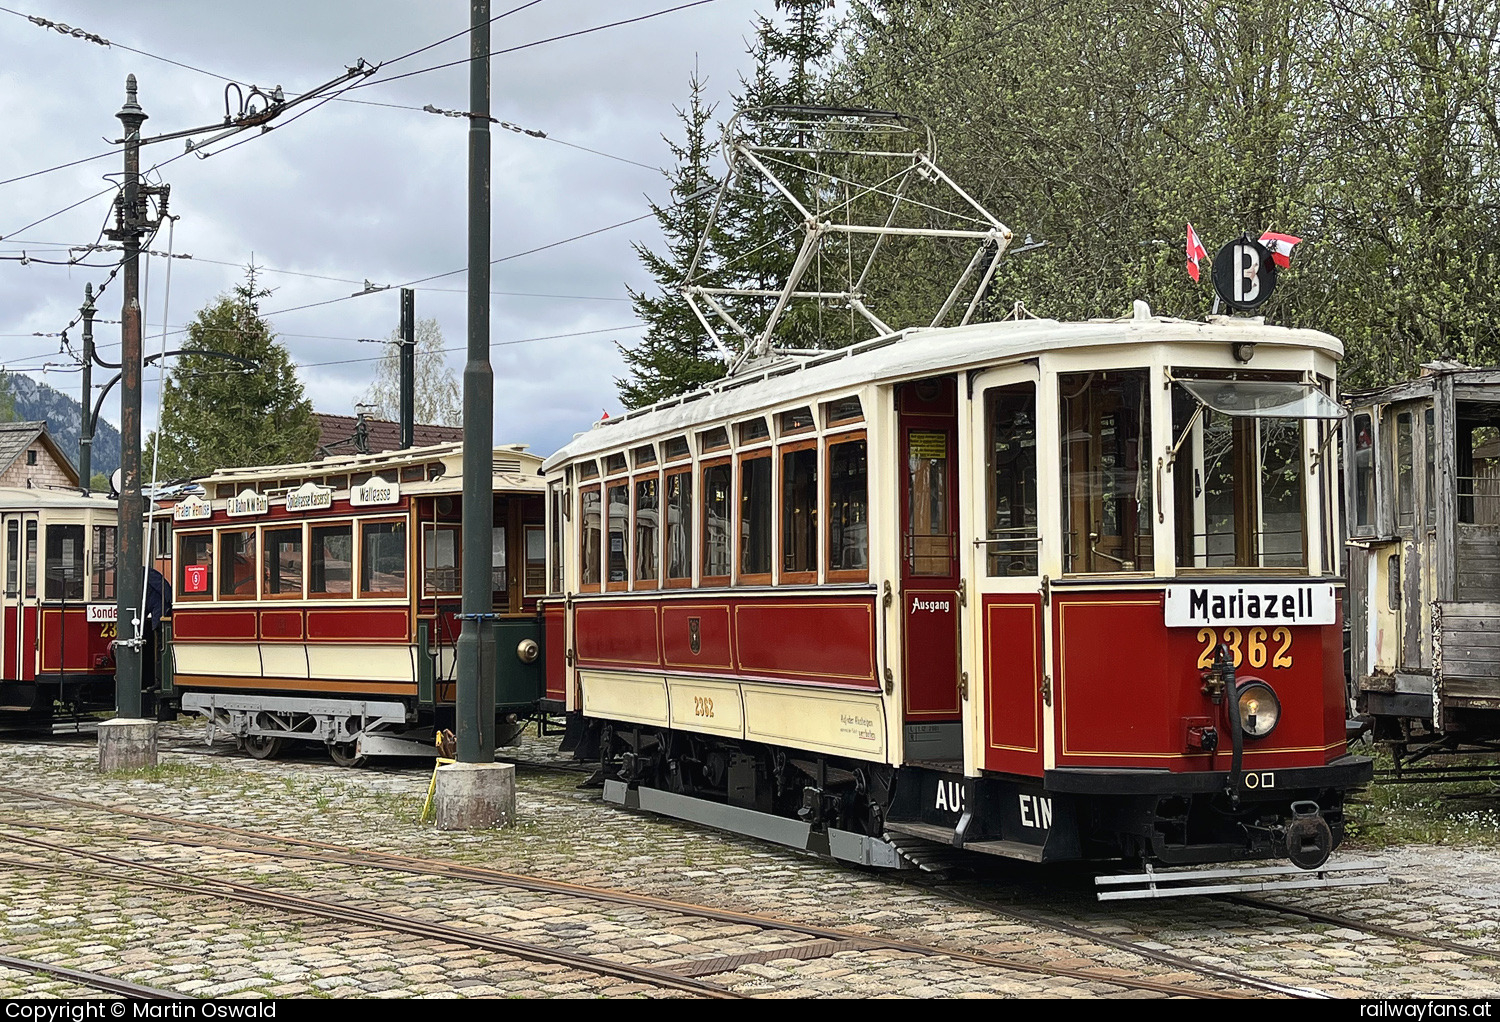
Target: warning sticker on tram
{"points": [[927, 446], [1230, 603]]}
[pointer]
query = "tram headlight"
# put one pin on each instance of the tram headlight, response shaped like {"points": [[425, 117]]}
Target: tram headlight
{"points": [[1260, 710]]}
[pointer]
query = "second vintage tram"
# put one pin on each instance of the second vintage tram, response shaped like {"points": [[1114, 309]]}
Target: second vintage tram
{"points": [[1050, 591], [320, 602]]}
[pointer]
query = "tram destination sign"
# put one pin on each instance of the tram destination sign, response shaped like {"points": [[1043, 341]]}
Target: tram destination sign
{"points": [[309, 497], [1236, 603]]}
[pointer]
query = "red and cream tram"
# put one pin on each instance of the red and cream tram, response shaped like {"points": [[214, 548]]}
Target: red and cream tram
{"points": [[320, 602], [57, 610], [1046, 590]]}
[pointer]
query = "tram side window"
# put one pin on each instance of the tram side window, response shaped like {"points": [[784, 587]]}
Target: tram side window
{"points": [[555, 550], [382, 558], [1406, 498], [679, 507], [102, 571], [1430, 435], [237, 565], [282, 572], [716, 486], [442, 571], [536, 560], [330, 560], [589, 549], [848, 509], [647, 532], [1364, 472], [619, 524], [13, 559], [755, 517], [1107, 504], [65, 568], [195, 565], [30, 560], [1010, 472], [799, 512]]}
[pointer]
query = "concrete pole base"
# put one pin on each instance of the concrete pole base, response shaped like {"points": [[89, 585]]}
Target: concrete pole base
{"points": [[126, 744], [475, 796]]}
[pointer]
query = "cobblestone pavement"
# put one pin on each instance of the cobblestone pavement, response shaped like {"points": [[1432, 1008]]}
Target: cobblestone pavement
{"points": [[211, 947]]}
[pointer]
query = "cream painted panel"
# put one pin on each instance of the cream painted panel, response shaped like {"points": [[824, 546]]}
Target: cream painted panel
{"points": [[284, 660], [640, 698], [366, 662], [231, 659], [841, 723], [710, 706]]}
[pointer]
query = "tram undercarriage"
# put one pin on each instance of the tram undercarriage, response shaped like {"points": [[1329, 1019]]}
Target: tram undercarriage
{"points": [[872, 813]]}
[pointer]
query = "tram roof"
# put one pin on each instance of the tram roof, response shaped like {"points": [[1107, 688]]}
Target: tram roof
{"points": [[915, 354], [513, 467], [20, 498]]}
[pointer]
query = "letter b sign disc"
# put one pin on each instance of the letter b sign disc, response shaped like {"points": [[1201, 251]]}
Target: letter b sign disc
{"points": [[1244, 274]]}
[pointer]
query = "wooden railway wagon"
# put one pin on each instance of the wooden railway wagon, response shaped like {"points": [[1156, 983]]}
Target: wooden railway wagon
{"points": [[57, 610], [1422, 478], [1051, 591], [320, 602]]}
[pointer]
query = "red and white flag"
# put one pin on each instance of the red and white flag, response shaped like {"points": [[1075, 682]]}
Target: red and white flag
{"points": [[1280, 246], [1195, 252]]}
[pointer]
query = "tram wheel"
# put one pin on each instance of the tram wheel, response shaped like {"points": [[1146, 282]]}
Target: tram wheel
{"points": [[343, 753], [263, 746]]}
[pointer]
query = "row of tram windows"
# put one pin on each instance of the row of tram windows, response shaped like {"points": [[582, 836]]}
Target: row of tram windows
{"points": [[1237, 478], [326, 558], [70, 571], [787, 509], [1411, 447]]}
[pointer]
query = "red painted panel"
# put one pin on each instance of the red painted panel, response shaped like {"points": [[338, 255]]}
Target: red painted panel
{"points": [[554, 625], [1013, 680], [191, 623], [69, 642], [929, 650], [27, 649], [1125, 683], [11, 661], [817, 640], [617, 633], [357, 625], [713, 652], [281, 624]]}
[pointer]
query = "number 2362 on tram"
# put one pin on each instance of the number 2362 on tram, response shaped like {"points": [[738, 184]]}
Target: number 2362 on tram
{"points": [[1052, 591]]}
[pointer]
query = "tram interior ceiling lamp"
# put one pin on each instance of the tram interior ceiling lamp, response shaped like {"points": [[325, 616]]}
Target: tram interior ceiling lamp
{"points": [[1243, 351]]}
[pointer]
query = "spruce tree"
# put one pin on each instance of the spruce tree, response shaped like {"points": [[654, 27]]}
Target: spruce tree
{"points": [[216, 414]]}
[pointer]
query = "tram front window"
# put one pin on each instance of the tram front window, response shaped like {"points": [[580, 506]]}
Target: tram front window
{"points": [[65, 563], [1107, 510], [1239, 475]]}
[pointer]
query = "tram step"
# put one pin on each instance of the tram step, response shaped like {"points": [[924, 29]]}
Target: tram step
{"points": [[944, 836]]}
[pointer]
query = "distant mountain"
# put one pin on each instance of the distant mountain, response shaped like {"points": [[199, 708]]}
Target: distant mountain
{"points": [[35, 400]]}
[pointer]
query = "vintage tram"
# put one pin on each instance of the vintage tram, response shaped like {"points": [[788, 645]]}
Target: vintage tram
{"points": [[1422, 471], [1050, 591], [57, 611], [320, 602]]}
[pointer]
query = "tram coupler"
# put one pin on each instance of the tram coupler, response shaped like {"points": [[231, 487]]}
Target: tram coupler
{"points": [[1309, 841]]}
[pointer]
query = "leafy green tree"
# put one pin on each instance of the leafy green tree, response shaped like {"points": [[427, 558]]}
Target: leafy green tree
{"points": [[99, 482], [216, 414], [676, 355], [437, 398]]}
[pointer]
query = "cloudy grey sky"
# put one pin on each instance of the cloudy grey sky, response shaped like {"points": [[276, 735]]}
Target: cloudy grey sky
{"points": [[367, 187]]}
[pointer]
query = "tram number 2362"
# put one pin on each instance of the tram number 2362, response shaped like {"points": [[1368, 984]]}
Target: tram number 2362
{"points": [[1256, 646]]}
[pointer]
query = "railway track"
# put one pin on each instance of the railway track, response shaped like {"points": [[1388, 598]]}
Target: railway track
{"points": [[93, 980], [825, 940]]}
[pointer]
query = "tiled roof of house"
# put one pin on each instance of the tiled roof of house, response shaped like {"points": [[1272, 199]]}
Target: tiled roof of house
{"points": [[336, 433]]}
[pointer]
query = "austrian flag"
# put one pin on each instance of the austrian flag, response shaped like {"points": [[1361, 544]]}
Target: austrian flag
{"points": [[1280, 246], [1195, 252]]}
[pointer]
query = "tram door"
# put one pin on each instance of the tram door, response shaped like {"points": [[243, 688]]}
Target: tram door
{"points": [[927, 413], [18, 602], [1412, 434], [1007, 579]]}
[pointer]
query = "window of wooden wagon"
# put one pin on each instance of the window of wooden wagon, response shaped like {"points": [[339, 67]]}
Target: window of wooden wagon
{"points": [[195, 565], [330, 560], [382, 558], [281, 563]]}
